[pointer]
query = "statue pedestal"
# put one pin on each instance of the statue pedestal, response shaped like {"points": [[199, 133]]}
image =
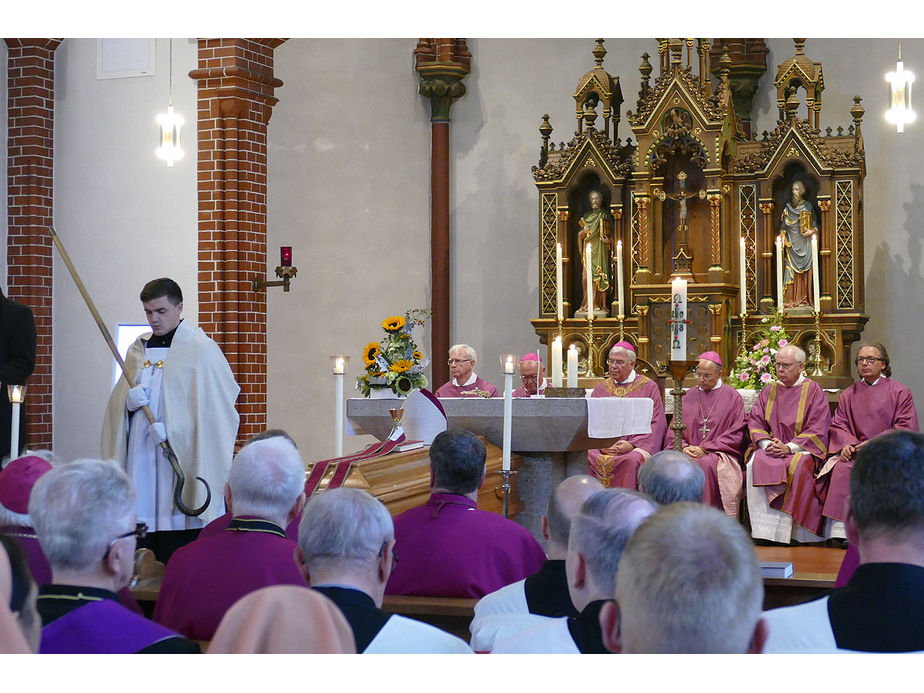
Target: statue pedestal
{"points": [[550, 434]]}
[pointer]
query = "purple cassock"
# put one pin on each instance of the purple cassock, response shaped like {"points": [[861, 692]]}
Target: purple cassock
{"points": [[220, 524], [449, 548], [864, 412], [476, 389], [205, 578], [715, 421], [622, 470], [800, 415]]}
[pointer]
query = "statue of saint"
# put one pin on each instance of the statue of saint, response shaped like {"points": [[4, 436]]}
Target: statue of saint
{"points": [[798, 222], [596, 227]]}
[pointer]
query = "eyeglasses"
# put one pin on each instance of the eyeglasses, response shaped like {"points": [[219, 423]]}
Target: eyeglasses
{"points": [[868, 359], [140, 531], [780, 364], [453, 362], [394, 555], [614, 362]]}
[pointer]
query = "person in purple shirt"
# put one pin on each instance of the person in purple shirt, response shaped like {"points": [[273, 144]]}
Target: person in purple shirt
{"points": [[448, 547], [84, 515], [206, 577], [464, 381], [532, 373]]}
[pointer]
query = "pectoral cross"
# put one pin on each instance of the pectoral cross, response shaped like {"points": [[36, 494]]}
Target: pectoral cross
{"points": [[703, 429]]}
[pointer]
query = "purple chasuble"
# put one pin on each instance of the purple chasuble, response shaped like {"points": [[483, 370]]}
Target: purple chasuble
{"points": [[622, 470], [449, 548], [797, 414], [205, 578], [863, 412], [474, 390], [102, 627], [726, 429], [220, 524], [523, 392]]}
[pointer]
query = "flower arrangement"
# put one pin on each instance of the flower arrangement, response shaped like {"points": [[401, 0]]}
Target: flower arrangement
{"points": [[756, 368], [395, 363]]}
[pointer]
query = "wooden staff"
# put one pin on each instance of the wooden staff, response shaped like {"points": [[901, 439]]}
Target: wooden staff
{"points": [[165, 445]]}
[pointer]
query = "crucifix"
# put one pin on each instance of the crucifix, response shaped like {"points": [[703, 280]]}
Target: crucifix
{"points": [[683, 259], [704, 429]]}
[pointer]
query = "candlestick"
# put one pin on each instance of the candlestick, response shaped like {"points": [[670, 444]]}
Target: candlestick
{"points": [[572, 366], [678, 321], [589, 271], [779, 273], [619, 289], [817, 371], [17, 394], [816, 291], [338, 366], [508, 407], [559, 301], [285, 256], [744, 293], [556, 362]]}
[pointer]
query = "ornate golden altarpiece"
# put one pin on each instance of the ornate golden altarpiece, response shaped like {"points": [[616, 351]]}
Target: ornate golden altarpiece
{"points": [[684, 194]]}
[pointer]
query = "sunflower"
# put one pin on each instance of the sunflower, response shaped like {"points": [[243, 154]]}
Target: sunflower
{"points": [[417, 355], [370, 352], [400, 366], [376, 374], [393, 324]]}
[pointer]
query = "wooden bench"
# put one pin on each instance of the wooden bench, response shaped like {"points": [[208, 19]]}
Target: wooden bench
{"points": [[814, 572], [451, 614]]}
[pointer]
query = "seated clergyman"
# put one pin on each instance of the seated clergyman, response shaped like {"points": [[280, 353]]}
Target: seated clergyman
{"points": [[464, 381]]}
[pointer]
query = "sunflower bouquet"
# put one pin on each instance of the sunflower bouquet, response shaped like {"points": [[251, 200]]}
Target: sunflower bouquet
{"points": [[396, 362], [756, 367]]}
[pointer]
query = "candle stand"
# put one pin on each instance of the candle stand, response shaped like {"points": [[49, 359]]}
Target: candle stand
{"points": [[817, 370], [506, 473], [678, 371]]}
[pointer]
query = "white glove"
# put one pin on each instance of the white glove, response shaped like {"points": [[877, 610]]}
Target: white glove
{"points": [[158, 432], [136, 398]]}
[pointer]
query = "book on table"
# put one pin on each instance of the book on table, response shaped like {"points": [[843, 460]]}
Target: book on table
{"points": [[776, 569]]}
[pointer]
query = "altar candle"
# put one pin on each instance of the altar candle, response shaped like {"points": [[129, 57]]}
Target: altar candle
{"points": [[744, 294], [816, 292], [338, 412], [508, 411], [590, 282], [572, 366], [285, 255], [14, 432], [779, 272], [679, 312], [556, 362], [622, 298], [559, 301]]}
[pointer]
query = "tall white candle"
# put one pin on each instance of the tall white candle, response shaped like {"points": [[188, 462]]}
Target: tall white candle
{"points": [[744, 274], [679, 312], [338, 413], [508, 411], [556, 362], [620, 290], [559, 300], [816, 291], [779, 272], [590, 282], [572, 366], [14, 432]]}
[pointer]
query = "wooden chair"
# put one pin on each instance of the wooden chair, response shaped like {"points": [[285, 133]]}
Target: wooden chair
{"points": [[146, 580]]}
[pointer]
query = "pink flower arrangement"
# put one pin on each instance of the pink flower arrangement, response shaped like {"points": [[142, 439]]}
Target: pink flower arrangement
{"points": [[754, 367]]}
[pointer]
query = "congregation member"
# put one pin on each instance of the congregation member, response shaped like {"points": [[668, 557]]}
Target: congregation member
{"points": [[543, 595], [448, 547], [715, 434], [346, 541], [84, 515], [12, 638], [788, 427], [599, 533], [206, 577], [283, 619], [618, 464], [873, 405], [670, 476], [21, 594], [881, 608], [220, 524], [186, 382], [16, 482], [17, 362], [689, 583], [464, 382], [532, 375]]}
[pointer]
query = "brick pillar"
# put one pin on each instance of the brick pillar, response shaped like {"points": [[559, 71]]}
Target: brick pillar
{"points": [[236, 86], [30, 159]]}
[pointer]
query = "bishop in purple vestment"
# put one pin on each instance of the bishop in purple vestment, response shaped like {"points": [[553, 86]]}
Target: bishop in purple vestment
{"points": [[788, 426], [618, 465], [714, 437], [464, 381], [873, 405], [532, 373], [449, 548]]}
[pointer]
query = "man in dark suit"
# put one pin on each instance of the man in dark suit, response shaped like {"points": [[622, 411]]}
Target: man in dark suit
{"points": [[17, 361]]}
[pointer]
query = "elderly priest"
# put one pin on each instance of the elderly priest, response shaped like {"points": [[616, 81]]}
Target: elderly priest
{"points": [[789, 436], [618, 465], [464, 381], [714, 437]]}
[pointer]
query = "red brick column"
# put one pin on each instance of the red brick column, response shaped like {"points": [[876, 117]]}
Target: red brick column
{"points": [[30, 159], [236, 86]]}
